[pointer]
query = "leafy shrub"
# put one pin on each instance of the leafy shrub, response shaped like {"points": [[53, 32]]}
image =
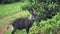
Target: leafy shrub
{"points": [[51, 26]]}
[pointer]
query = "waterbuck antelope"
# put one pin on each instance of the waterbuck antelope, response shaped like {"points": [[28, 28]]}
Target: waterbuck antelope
{"points": [[25, 22]]}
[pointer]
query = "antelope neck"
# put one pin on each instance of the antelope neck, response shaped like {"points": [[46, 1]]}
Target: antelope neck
{"points": [[31, 17]]}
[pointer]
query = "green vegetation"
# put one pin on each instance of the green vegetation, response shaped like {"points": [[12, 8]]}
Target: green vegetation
{"points": [[47, 19], [13, 18], [50, 26], [10, 9]]}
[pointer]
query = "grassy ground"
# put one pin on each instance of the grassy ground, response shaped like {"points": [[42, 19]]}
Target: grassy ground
{"points": [[13, 18], [7, 10], [10, 9]]}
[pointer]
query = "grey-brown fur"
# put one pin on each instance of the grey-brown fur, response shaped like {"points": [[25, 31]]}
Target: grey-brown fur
{"points": [[23, 23]]}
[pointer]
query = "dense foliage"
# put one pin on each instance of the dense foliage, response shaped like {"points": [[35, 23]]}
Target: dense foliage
{"points": [[45, 10], [50, 26]]}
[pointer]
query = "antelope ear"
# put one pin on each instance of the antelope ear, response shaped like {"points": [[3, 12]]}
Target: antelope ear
{"points": [[34, 11]]}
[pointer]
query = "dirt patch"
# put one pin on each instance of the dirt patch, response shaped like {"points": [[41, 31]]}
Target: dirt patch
{"points": [[4, 28]]}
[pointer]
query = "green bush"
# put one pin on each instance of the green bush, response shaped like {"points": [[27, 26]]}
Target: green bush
{"points": [[51, 26]]}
